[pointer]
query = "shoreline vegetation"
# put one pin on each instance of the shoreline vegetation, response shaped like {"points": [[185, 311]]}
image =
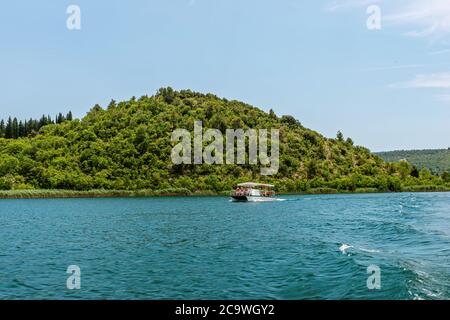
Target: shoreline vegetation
{"points": [[71, 194], [128, 146]]}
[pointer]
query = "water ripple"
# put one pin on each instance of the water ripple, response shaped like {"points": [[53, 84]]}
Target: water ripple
{"points": [[307, 247]]}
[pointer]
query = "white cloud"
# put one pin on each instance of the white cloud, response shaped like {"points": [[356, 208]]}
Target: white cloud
{"points": [[347, 4], [395, 67], [420, 18], [427, 81], [423, 18]]}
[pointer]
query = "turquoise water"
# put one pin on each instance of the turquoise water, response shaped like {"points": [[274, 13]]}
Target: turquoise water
{"points": [[210, 248]]}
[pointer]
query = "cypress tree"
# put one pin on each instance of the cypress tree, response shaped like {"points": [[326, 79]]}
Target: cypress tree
{"points": [[15, 128], [21, 130], [2, 128], [8, 129], [59, 118]]}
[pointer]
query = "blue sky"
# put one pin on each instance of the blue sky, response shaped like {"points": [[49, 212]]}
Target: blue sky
{"points": [[387, 89]]}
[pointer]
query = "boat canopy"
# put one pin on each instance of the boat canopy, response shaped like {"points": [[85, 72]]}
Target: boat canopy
{"points": [[255, 185]]}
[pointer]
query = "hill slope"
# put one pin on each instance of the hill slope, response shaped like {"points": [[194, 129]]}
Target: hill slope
{"points": [[437, 161], [128, 147]]}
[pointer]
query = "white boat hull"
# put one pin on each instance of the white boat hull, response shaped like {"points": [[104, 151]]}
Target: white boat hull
{"points": [[253, 199]]}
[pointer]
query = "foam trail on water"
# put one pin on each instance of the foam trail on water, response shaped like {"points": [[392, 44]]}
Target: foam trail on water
{"points": [[369, 250], [344, 248]]}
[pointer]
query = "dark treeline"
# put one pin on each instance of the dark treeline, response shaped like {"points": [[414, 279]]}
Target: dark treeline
{"points": [[13, 128]]}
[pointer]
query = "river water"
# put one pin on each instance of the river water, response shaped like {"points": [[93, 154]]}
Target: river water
{"points": [[306, 247]]}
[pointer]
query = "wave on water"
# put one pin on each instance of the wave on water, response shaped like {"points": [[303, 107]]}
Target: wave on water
{"points": [[23, 284], [300, 247], [345, 247], [369, 250], [425, 281], [262, 201], [294, 199]]}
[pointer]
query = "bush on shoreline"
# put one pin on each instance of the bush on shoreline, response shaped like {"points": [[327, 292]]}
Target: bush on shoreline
{"points": [[45, 193], [55, 194], [426, 188]]}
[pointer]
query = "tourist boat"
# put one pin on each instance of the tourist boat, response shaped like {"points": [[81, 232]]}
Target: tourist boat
{"points": [[253, 192]]}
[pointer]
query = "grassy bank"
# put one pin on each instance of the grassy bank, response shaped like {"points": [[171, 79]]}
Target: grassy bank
{"points": [[43, 193], [424, 188]]}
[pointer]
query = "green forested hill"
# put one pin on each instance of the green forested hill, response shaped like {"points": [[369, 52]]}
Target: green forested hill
{"points": [[126, 146], [438, 160]]}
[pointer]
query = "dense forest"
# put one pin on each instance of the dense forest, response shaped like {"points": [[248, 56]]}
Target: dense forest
{"points": [[127, 146], [438, 160], [13, 128]]}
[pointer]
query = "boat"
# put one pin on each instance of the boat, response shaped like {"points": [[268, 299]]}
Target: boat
{"points": [[253, 192]]}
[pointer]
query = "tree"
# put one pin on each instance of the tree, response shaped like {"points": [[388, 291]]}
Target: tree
{"points": [[9, 129], [60, 118], [42, 121], [340, 136], [21, 130], [446, 176], [168, 94], [414, 172], [289, 120], [112, 104], [272, 114], [349, 141], [2, 128], [404, 168], [15, 129], [424, 174]]}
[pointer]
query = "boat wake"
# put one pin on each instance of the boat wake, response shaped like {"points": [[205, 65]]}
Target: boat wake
{"points": [[345, 247]]}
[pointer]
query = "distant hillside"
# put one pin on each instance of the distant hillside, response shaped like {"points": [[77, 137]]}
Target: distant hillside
{"points": [[438, 161], [127, 146]]}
